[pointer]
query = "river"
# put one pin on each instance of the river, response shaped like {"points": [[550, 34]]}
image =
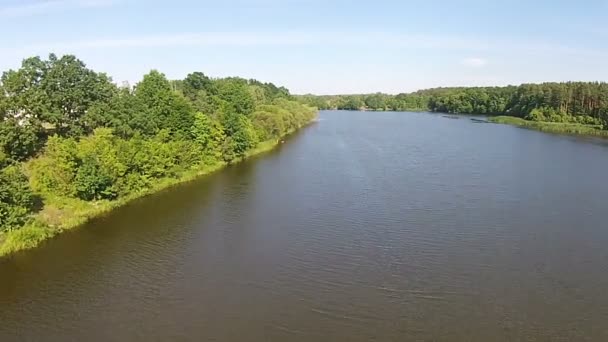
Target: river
{"points": [[365, 226]]}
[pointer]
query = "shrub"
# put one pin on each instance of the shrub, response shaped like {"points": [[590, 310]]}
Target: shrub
{"points": [[16, 198]]}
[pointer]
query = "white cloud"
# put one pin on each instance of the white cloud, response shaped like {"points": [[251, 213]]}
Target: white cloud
{"points": [[42, 7], [474, 62], [288, 38], [366, 40]]}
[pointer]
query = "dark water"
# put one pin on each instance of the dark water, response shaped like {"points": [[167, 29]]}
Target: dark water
{"points": [[362, 227]]}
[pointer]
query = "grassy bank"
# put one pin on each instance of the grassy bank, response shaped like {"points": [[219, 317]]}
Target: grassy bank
{"points": [[551, 127], [61, 214]]}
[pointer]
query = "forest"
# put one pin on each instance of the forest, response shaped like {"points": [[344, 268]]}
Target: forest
{"points": [[567, 102], [72, 142]]}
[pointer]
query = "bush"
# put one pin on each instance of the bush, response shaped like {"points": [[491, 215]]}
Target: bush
{"points": [[103, 166], [16, 198], [19, 142], [92, 182], [536, 115], [53, 173]]}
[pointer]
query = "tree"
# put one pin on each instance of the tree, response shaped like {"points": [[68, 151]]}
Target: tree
{"points": [[92, 183], [241, 133], [16, 199], [350, 102], [576, 102], [165, 109], [126, 114], [236, 94], [376, 101], [209, 135], [19, 142], [196, 82], [58, 91], [269, 122]]}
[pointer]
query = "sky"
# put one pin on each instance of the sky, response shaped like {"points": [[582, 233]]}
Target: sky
{"points": [[319, 46]]}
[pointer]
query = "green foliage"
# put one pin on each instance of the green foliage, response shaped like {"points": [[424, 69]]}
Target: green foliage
{"points": [[92, 183], [53, 172], [196, 82], [57, 91], [209, 135], [280, 118], [554, 115], [19, 141], [489, 100], [552, 127], [569, 102], [27, 237], [271, 91], [378, 101], [242, 135], [82, 139], [164, 108], [319, 102], [236, 94], [351, 103], [98, 167], [126, 114], [269, 122], [536, 114], [103, 166], [16, 198]]}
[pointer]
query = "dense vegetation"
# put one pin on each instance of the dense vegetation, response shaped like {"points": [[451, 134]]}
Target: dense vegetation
{"points": [[552, 127], [571, 102], [72, 141]]}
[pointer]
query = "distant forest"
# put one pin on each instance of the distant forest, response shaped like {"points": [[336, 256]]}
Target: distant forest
{"points": [[568, 102]]}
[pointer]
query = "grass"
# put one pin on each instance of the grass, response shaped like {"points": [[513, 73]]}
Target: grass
{"points": [[551, 127], [61, 214]]}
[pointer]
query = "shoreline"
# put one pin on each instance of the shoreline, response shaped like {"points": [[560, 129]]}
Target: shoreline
{"points": [[564, 128], [80, 212], [550, 127]]}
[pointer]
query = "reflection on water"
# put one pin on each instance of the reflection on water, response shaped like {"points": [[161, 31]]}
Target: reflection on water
{"points": [[364, 226]]}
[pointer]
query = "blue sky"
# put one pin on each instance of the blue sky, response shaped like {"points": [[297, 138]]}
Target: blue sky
{"points": [[320, 46]]}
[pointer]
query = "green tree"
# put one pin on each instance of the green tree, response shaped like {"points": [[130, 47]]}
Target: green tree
{"points": [[241, 132], [58, 91], [196, 82], [350, 102], [209, 135], [126, 114], [19, 141], [16, 199], [53, 172], [236, 94], [165, 109], [92, 183], [376, 101]]}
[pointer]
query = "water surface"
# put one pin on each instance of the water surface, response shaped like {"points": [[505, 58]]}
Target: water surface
{"points": [[362, 227]]}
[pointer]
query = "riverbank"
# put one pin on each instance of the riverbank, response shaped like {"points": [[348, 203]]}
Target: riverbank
{"points": [[61, 214], [551, 127]]}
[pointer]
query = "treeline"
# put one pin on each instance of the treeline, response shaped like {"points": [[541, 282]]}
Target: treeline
{"points": [[67, 131], [377, 101], [575, 102]]}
